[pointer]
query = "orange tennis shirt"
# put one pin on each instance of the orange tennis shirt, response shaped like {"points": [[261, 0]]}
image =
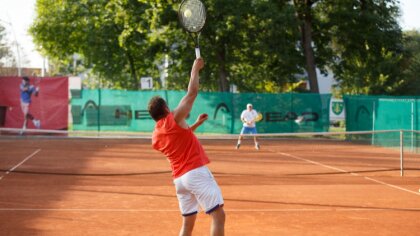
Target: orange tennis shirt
{"points": [[179, 145]]}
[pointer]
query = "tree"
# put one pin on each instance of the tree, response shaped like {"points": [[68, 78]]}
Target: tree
{"points": [[410, 66], [257, 45], [306, 17], [100, 31], [366, 39], [247, 43], [5, 51]]}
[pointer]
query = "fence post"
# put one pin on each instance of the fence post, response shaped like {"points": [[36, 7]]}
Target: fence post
{"points": [[373, 121], [99, 110], [412, 125], [402, 152]]}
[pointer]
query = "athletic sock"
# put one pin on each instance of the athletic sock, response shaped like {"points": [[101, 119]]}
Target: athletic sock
{"points": [[238, 144]]}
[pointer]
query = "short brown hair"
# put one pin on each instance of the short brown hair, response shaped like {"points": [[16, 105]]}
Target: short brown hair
{"points": [[157, 108]]}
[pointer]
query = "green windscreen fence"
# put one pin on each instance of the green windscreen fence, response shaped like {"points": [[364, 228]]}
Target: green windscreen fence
{"points": [[115, 110], [366, 113]]}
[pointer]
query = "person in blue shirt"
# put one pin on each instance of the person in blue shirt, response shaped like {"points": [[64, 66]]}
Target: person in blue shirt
{"points": [[26, 91]]}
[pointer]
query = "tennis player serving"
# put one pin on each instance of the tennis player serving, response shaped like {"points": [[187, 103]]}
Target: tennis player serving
{"points": [[194, 183]]}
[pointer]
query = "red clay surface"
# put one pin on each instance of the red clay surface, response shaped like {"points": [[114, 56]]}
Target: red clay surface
{"points": [[123, 187]]}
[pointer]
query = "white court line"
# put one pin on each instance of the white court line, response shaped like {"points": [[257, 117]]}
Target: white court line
{"points": [[392, 186], [348, 172], [226, 209], [16, 166]]}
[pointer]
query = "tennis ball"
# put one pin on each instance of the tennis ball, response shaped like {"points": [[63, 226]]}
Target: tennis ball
{"points": [[187, 13]]}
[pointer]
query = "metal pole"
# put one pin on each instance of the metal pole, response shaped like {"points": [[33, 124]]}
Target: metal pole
{"points": [[402, 152], [43, 67], [75, 58], [412, 125], [99, 106], [373, 122]]}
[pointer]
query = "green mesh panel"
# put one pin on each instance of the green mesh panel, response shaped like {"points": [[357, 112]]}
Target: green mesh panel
{"points": [[112, 110], [359, 112], [399, 114], [364, 113]]}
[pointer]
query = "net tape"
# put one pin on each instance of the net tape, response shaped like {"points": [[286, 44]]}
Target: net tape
{"points": [[7, 132]]}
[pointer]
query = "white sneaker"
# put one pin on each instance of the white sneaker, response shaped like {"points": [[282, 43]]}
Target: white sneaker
{"points": [[37, 124], [257, 146]]}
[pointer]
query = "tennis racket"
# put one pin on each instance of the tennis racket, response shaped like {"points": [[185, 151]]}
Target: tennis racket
{"points": [[192, 16], [37, 83], [259, 117]]}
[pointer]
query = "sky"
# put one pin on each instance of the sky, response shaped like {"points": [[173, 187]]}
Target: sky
{"points": [[18, 15]]}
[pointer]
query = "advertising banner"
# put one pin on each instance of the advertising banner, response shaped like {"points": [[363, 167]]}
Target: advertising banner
{"points": [[50, 105]]}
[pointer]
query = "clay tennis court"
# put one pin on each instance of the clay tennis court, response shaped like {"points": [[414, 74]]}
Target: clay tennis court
{"points": [[63, 186]]}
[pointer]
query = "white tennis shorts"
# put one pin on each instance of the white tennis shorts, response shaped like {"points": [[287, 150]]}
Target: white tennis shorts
{"points": [[198, 188], [25, 108]]}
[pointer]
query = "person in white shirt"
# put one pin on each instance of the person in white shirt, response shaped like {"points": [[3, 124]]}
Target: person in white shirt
{"points": [[248, 117]]}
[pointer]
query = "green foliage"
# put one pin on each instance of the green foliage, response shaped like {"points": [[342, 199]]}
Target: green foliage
{"points": [[115, 38], [251, 43], [366, 38], [254, 44], [247, 43], [5, 51], [411, 64]]}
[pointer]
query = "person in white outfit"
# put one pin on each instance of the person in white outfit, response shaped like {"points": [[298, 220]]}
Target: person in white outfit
{"points": [[248, 117]]}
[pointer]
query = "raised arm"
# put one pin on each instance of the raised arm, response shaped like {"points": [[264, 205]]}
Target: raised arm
{"points": [[24, 87], [186, 103]]}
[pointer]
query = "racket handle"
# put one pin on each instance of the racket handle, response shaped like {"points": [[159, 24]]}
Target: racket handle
{"points": [[197, 52]]}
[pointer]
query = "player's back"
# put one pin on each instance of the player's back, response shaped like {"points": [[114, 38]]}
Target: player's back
{"points": [[179, 145]]}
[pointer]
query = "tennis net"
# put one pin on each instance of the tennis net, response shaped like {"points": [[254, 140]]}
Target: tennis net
{"points": [[392, 152]]}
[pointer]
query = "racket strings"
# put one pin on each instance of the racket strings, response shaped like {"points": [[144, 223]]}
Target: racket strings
{"points": [[193, 15]]}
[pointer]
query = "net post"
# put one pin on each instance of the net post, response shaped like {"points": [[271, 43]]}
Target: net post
{"points": [[373, 121], [401, 152], [412, 125]]}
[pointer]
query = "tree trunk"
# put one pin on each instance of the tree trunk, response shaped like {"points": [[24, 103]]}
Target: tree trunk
{"points": [[309, 55], [223, 82], [134, 80], [304, 14], [363, 5]]}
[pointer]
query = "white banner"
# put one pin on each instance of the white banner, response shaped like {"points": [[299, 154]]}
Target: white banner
{"points": [[146, 82], [337, 111]]}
